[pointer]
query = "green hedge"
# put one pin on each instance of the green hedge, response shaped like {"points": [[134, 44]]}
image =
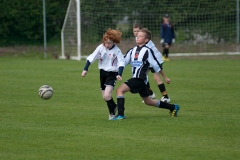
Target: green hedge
{"points": [[22, 20]]}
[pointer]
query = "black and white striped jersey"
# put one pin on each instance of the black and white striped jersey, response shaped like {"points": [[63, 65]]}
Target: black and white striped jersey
{"points": [[141, 58], [109, 59], [156, 52]]}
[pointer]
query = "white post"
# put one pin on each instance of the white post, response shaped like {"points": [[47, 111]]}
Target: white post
{"points": [[62, 40], [44, 29], [237, 25], [62, 32], [78, 29]]}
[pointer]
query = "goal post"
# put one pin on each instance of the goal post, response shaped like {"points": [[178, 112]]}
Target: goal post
{"points": [[201, 27], [71, 32]]}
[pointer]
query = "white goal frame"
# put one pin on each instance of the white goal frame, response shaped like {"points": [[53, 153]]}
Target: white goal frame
{"points": [[77, 55], [76, 45]]}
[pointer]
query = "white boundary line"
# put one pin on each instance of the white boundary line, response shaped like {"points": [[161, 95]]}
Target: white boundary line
{"points": [[198, 54], [84, 56], [205, 54]]}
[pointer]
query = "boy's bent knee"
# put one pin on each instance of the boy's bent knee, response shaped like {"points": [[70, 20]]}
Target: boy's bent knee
{"points": [[149, 102], [107, 97]]}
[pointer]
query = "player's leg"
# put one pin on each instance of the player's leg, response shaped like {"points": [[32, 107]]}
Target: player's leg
{"points": [[121, 100], [110, 102], [163, 52], [161, 87], [167, 51], [157, 78], [148, 101], [134, 85], [173, 108], [150, 92], [107, 82], [107, 93]]}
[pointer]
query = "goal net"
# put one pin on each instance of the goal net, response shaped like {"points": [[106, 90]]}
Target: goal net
{"points": [[71, 32], [201, 27]]}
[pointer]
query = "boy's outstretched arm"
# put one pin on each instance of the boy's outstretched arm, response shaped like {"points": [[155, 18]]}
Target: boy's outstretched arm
{"points": [[85, 70], [165, 78], [120, 71]]}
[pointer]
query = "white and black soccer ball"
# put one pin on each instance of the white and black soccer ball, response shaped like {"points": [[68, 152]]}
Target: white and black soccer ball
{"points": [[45, 92]]}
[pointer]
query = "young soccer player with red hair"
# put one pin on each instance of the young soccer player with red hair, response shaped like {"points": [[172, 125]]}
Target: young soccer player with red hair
{"points": [[110, 63]]}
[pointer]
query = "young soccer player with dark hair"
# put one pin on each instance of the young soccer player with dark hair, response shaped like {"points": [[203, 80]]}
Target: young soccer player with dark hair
{"points": [[140, 57], [111, 64], [167, 36], [158, 57]]}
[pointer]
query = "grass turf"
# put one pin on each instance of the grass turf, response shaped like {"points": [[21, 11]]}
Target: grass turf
{"points": [[74, 124]]}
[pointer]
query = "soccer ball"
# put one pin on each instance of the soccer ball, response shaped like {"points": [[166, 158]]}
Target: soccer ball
{"points": [[45, 92]]}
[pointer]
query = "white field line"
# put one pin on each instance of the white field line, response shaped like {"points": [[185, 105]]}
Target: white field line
{"points": [[204, 54], [198, 54]]}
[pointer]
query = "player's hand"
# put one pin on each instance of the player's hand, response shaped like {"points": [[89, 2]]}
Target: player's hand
{"points": [[173, 40], [84, 73], [162, 41], [119, 78], [167, 80]]}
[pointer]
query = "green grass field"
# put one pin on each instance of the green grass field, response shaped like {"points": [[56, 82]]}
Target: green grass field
{"points": [[73, 124]]}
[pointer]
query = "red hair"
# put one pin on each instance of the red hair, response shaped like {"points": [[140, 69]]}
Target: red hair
{"points": [[113, 35]]}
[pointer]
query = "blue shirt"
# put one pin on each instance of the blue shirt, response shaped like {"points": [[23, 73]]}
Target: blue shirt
{"points": [[167, 32]]}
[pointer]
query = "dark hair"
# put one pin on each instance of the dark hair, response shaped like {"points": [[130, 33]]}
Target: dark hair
{"points": [[166, 16], [137, 25], [148, 34]]}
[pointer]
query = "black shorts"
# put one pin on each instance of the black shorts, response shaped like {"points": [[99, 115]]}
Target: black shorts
{"points": [[107, 79], [137, 85], [164, 44]]}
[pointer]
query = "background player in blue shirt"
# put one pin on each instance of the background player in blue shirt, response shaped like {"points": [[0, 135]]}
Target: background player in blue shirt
{"points": [[167, 35]]}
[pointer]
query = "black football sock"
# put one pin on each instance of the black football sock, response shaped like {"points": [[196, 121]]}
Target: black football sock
{"points": [[163, 90], [164, 52], [150, 92], [167, 51], [120, 103], [111, 106], [166, 105]]}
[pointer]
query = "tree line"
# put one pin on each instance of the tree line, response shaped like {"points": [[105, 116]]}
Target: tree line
{"points": [[22, 20]]}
